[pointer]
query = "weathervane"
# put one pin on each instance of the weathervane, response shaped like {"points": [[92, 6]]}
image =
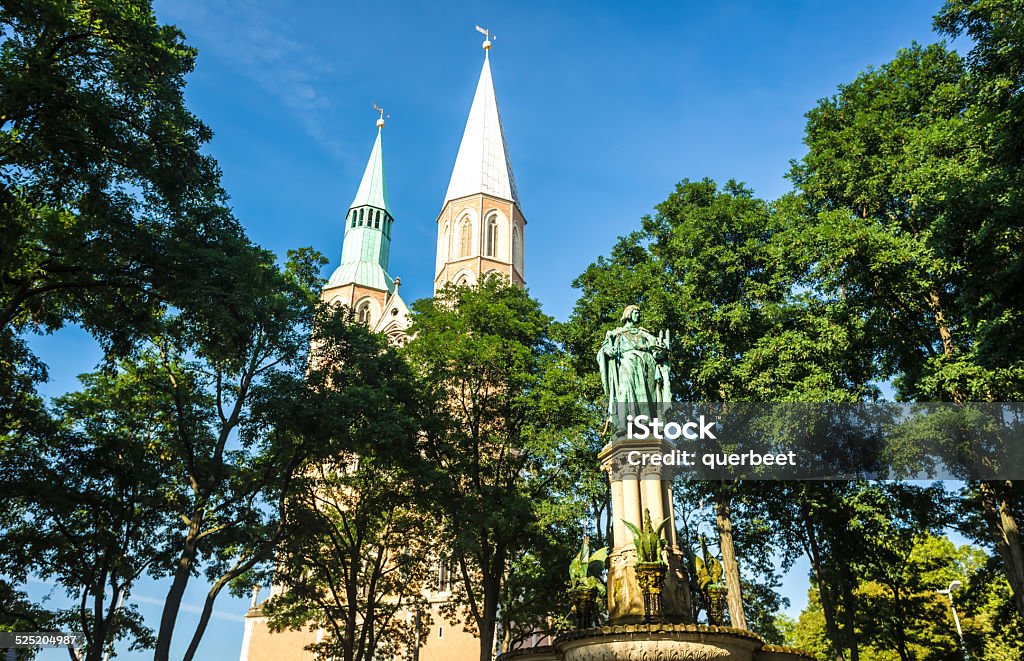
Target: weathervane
{"points": [[488, 37], [380, 122]]}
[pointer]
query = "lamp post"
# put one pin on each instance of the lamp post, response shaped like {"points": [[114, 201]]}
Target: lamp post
{"points": [[953, 587]]}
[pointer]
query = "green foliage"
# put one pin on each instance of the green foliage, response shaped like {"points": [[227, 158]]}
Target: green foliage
{"points": [[913, 179], [355, 515], [110, 211], [810, 632], [108, 207], [115, 220], [727, 273], [928, 627], [895, 173], [91, 502], [901, 568], [763, 608], [720, 268], [166, 464], [508, 415], [898, 257], [18, 613], [996, 59]]}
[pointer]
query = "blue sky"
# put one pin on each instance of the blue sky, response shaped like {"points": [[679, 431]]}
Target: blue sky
{"points": [[606, 105]]}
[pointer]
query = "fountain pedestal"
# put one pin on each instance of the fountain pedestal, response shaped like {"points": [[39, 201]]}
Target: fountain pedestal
{"points": [[636, 487]]}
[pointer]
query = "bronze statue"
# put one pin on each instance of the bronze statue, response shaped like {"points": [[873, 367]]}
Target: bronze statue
{"points": [[634, 370]]}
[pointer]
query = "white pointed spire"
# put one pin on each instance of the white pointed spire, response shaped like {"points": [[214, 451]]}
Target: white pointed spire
{"points": [[483, 165]]}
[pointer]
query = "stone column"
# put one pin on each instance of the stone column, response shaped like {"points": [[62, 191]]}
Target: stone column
{"points": [[631, 510], [624, 598], [635, 488], [618, 532], [653, 487], [670, 511]]}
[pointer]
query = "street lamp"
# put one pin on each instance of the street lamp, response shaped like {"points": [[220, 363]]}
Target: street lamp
{"points": [[953, 587]]}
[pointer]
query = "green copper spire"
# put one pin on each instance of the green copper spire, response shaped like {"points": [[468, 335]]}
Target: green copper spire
{"points": [[367, 244], [373, 189]]}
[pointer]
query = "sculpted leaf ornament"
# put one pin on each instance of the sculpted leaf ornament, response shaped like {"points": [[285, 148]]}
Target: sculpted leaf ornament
{"points": [[648, 540]]}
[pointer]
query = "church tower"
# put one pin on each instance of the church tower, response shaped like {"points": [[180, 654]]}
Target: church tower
{"points": [[362, 281], [480, 230]]}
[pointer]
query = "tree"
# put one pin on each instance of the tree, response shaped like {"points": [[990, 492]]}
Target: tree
{"points": [[229, 372], [167, 463], [110, 211], [822, 523], [727, 273], [18, 613], [485, 356], [106, 201], [918, 214], [354, 560], [809, 633], [921, 616], [91, 505], [996, 61], [897, 519], [993, 205], [692, 267]]}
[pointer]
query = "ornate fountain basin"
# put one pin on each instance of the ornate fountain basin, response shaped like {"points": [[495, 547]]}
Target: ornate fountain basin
{"points": [[668, 642]]}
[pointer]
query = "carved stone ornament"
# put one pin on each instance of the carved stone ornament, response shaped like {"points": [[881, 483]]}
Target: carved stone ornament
{"points": [[659, 642]]}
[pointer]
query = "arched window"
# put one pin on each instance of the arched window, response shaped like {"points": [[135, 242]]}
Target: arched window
{"points": [[442, 247], [363, 313], [462, 281], [491, 242], [353, 215], [494, 273], [517, 250], [376, 220], [465, 238]]}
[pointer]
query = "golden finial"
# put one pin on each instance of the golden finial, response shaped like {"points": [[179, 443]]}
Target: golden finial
{"points": [[380, 122], [488, 37]]}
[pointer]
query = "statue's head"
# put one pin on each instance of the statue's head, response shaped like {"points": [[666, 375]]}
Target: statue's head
{"points": [[631, 313]]}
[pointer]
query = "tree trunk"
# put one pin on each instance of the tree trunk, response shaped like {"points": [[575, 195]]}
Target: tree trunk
{"points": [[489, 620], [204, 620], [824, 592], [182, 574], [99, 626], [1006, 536], [901, 633], [846, 582], [729, 565], [940, 321]]}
